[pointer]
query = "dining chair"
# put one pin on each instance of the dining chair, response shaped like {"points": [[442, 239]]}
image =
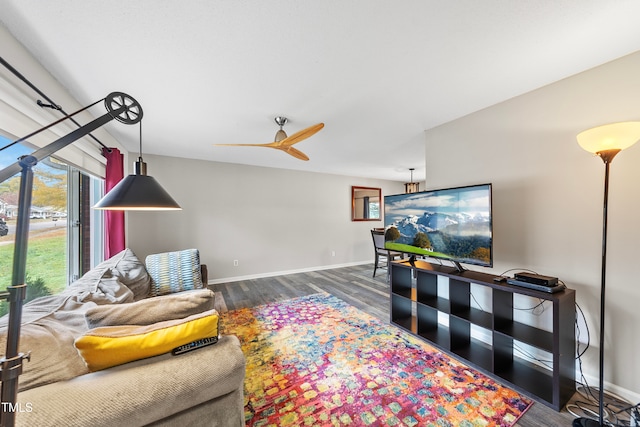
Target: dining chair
{"points": [[382, 256]]}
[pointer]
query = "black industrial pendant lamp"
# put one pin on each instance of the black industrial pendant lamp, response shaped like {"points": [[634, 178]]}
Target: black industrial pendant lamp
{"points": [[138, 191]]}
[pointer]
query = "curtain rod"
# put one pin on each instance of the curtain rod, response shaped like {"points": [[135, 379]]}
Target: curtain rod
{"points": [[51, 104]]}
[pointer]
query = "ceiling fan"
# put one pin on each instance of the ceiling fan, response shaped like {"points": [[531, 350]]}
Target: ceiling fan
{"points": [[284, 142]]}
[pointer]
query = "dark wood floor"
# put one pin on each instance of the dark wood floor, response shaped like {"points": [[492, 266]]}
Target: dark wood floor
{"points": [[355, 286]]}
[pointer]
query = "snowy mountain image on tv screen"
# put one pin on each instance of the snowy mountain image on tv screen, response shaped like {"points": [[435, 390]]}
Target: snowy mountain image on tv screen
{"points": [[452, 224]]}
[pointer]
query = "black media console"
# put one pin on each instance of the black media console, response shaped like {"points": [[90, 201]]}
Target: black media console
{"points": [[417, 307]]}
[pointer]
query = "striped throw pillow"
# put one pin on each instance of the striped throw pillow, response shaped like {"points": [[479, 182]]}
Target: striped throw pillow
{"points": [[174, 272]]}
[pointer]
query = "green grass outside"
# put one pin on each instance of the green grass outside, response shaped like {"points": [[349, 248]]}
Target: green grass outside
{"points": [[46, 259]]}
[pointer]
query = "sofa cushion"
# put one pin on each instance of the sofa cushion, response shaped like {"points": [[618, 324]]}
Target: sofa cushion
{"points": [[50, 324], [126, 269], [151, 310], [174, 271], [48, 329], [109, 346]]}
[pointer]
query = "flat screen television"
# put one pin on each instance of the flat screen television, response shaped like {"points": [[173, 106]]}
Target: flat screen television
{"points": [[454, 224]]}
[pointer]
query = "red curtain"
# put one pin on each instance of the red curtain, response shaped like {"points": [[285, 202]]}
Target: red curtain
{"points": [[113, 220]]}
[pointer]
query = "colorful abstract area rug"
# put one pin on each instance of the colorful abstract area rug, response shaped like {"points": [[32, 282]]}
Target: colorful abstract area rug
{"points": [[317, 361]]}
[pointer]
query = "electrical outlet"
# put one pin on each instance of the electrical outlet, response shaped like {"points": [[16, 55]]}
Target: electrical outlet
{"points": [[333, 253], [235, 262]]}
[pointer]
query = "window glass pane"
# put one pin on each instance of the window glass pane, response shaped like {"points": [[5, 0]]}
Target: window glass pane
{"points": [[97, 221], [374, 210], [47, 248]]}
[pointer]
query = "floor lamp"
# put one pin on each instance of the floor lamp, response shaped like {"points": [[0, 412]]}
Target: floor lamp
{"points": [[605, 141], [120, 107]]}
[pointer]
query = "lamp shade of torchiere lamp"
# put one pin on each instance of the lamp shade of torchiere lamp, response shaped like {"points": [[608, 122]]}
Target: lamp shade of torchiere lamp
{"points": [[605, 141]]}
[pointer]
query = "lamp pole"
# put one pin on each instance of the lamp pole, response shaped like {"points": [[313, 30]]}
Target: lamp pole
{"points": [[605, 141], [607, 157], [119, 106]]}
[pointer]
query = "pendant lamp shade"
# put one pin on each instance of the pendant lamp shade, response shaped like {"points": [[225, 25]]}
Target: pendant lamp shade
{"points": [[411, 187], [614, 136], [138, 192]]}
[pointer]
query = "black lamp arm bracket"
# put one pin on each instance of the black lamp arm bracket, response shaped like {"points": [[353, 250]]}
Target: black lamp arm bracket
{"points": [[11, 368], [52, 106]]}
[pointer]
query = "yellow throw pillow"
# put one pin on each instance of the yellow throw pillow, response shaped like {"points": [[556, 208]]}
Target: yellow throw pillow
{"points": [[109, 346]]}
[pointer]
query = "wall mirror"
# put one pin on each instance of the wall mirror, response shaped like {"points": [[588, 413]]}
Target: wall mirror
{"points": [[365, 204]]}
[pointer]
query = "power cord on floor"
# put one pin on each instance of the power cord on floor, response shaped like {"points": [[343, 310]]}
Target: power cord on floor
{"points": [[617, 412]]}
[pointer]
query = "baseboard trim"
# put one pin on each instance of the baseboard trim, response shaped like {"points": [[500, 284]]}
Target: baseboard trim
{"points": [[283, 273], [629, 395]]}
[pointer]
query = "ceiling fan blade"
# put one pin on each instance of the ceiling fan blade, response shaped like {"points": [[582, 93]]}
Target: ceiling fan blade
{"points": [[286, 143], [270, 144], [301, 135], [295, 153]]}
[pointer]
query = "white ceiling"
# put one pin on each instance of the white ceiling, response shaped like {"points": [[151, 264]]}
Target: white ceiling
{"points": [[376, 72]]}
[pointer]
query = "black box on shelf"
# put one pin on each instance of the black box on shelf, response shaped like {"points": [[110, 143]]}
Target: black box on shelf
{"points": [[536, 279]]}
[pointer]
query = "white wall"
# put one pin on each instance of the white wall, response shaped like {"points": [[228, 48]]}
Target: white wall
{"points": [[548, 196], [270, 220]]}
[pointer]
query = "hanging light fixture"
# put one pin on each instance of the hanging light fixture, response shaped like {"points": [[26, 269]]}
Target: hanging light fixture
{"points": [[138, 191], [411, 187]]}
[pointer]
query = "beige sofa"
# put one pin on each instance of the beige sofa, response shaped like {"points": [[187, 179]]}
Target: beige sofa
{"points": [[199, 388], [203, 387]]}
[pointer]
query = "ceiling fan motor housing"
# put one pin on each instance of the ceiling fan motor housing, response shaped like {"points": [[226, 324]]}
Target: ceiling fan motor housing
{"points": [[281, 134]]}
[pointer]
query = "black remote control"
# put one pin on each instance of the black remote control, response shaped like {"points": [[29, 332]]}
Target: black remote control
{"points": [[194, 345]]}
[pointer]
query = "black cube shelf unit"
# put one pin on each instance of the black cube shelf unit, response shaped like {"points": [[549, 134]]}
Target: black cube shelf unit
{"points": [[417, 307]]}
